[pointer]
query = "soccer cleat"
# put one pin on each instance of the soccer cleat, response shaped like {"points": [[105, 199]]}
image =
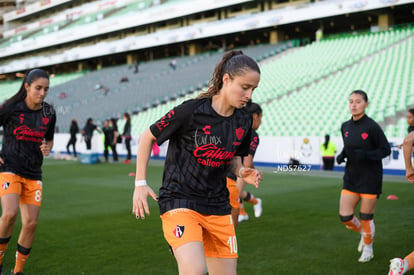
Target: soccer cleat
{"points": [[367, 254], [258, 210], [18, 273], [361, 244], [397, 267], [243, 218]]}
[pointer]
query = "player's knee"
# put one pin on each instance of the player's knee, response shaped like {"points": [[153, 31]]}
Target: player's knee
{"points": [[345, 218], [9, 217], [365, 216]]}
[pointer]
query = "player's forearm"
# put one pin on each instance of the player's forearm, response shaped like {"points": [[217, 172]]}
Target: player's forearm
{"points": [[407, 150], [143, 154], [235, 166]]}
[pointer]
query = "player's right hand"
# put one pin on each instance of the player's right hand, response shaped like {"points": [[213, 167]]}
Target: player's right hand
{"points": [[410, 176], [139, 201]]}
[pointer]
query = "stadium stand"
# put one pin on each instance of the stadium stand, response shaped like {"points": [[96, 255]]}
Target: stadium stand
{"points": [[156, 82], [304, 91]]}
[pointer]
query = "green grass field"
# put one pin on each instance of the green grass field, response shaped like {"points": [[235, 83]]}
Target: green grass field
{"points": [[86, 226]]}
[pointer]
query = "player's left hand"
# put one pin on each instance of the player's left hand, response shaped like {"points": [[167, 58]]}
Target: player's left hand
{"points": [[252, 176], [44, 148]]}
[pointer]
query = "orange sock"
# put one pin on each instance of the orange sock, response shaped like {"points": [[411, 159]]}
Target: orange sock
{"points": [[21, 256], [410, 260], [251, 199], [353, 224], [242, 210], [368, 228], [3, 246]]}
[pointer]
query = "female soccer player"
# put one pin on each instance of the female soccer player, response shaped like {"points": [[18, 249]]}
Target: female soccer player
{"points": [[400, 266], [257, 114], [126, 134], [207, 138], [29, 125], [365, 145], [73, 130], [328, 150], [234, 184]]}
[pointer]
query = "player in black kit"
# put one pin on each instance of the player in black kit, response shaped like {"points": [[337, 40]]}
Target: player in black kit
{"points": [[29, 125], [207, 137], [365, 145]]}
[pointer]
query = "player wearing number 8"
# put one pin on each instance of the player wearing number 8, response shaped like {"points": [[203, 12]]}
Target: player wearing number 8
{"points": [[28, 124], [207, 138]]}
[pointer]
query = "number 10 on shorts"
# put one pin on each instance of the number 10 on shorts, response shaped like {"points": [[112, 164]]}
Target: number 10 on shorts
{"points": [[232, 242]]}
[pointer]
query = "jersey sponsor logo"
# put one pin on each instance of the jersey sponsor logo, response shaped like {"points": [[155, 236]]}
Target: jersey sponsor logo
{"points": [[162, 123], [213, 156], [206, 129], [200, 139], [45, 120], [5, 185], [364, 136], [346, 134], [21, 117], [239, 133], [178, 231], [23, 132]]}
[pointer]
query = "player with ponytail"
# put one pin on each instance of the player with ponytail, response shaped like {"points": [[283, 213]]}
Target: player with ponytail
{"points": [[29, 125], [207, 136]]}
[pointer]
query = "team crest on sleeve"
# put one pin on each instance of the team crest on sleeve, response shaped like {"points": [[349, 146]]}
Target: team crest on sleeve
{"points": [[178, 231], [5, 185], [239, 133]]}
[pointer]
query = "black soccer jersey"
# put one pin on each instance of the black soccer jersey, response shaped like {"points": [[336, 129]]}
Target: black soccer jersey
{"points": [[254, 143], [24, 131], [201, 146], [365, 145]]}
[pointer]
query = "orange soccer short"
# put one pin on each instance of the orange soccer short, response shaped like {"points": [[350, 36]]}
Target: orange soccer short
{"points": [[362, 195], [216, 232], [30, 191], [234, 193]]}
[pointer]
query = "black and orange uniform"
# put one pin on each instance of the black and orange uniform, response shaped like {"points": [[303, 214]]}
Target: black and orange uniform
{"points": [[365, 145], [254, 143], [24, 132], [201, 146], [231, 179]]}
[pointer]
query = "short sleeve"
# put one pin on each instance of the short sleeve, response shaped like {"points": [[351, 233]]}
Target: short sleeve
{"points": [[172, 122]]}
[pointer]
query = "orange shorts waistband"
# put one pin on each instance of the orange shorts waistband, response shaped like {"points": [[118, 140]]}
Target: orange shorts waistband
{"points": [[362, 195]]}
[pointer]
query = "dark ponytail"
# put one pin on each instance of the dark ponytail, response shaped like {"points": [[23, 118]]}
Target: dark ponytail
{"points": [[254, 108], [326, 141], [233, 63]]}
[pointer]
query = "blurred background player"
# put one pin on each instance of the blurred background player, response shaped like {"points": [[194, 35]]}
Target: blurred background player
{"points": [[365, 145], [245, 196], [207, 138], [410, 122], [110, 138], [74, 129], [87, 132], [21, 160], [126, 134], [400, 266], [328, 150]]}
